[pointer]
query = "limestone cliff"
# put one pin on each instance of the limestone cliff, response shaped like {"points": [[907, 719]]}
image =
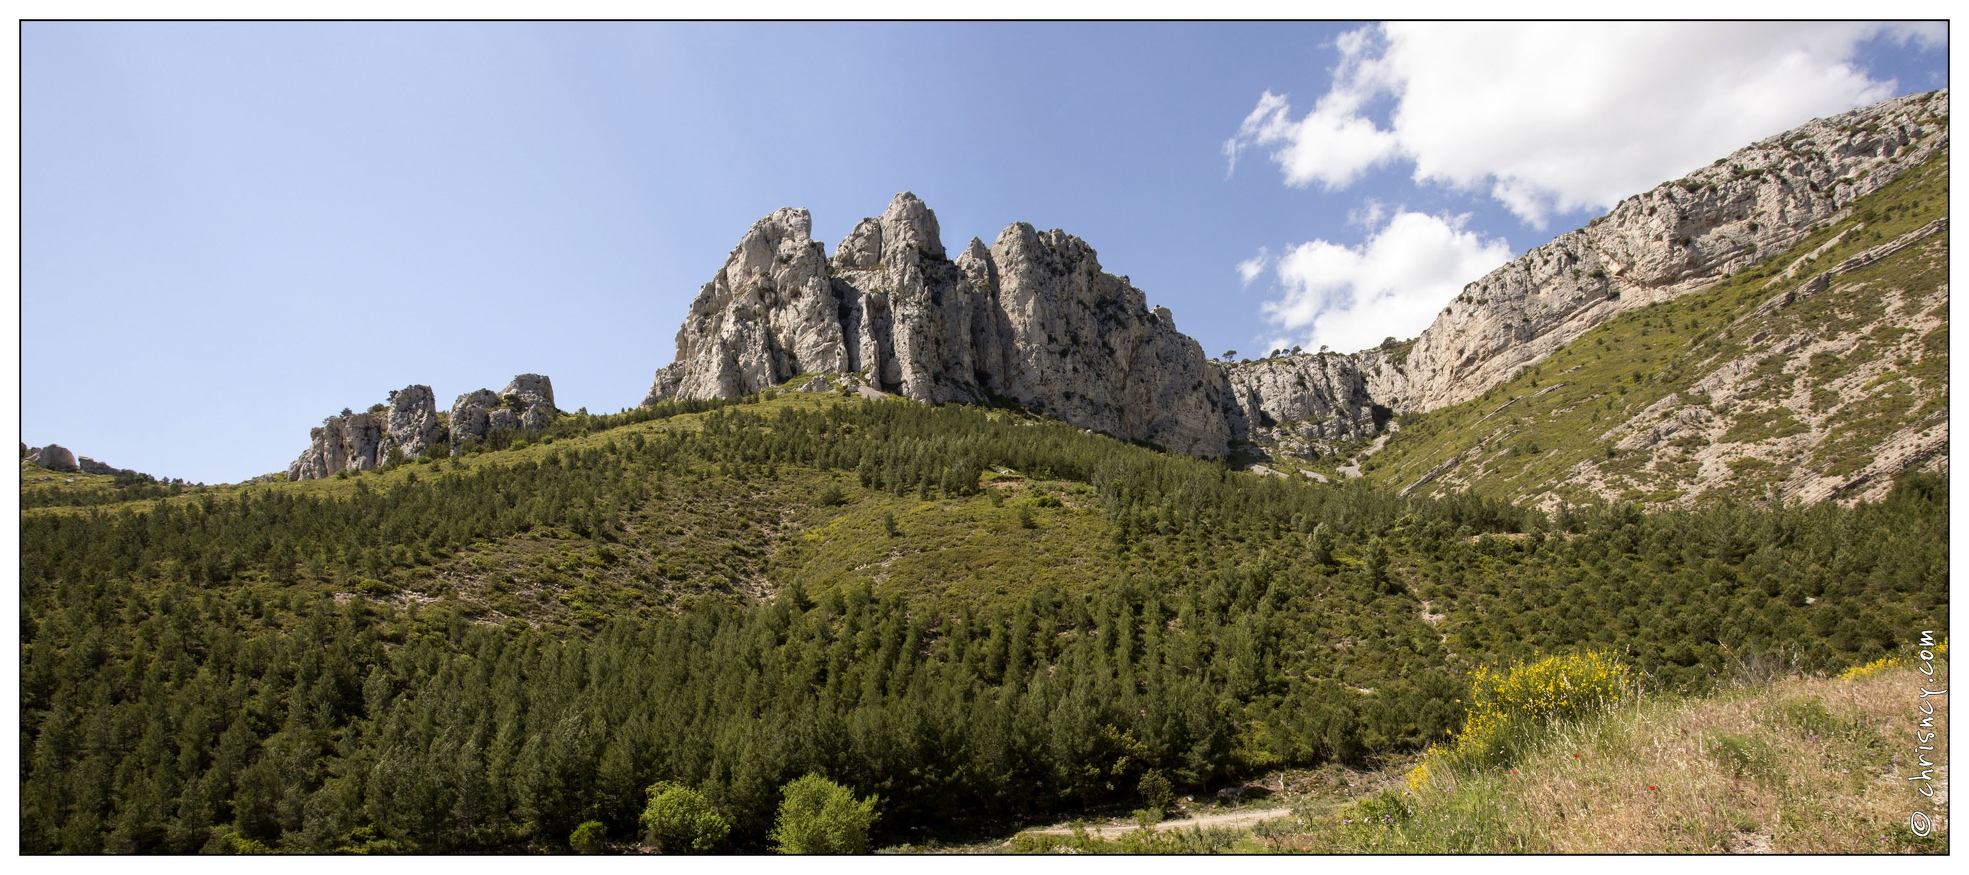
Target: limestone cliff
{"points": [[1302, 403], [770, 313], [1679, 237], [1676, 238], [1032, 320]]}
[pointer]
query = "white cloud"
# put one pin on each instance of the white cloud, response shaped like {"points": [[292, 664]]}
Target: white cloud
{"points": [[1250, 268], [1332, 145], [1351, 297], [1555, 117], [1369, 214], [1268, 116]]}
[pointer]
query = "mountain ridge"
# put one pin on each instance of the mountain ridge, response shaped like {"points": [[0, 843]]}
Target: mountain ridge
{"points": [[891, 311], [1033, 321]]}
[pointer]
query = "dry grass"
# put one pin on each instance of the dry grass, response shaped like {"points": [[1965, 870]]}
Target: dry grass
{"points": [[1795, 765], [1805, 765]]}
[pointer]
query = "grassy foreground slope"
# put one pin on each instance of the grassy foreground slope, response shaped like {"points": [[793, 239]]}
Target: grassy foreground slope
{"points": [[1725, 392], [980, 617], [1802, 765], [1793, 764]]}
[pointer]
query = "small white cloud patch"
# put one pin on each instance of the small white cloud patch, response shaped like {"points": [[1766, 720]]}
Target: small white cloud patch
{"points": [[1392, 285], [1250, 268], [1269, 115], [1368, 215]]}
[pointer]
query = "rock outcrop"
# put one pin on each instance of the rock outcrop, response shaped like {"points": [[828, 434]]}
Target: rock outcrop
{"points": [[770, 313], [413, 423], [409, 425], [1677, 238], [920, 327], [1085, 347], [91, 466], [1302, 403], [527, 402], [345, 442], [53, 457], [1033, 320]]}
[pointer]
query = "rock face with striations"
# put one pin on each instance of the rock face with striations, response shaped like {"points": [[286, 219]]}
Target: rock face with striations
{"points": [[915, 324], [1304, 401], [770, 313], [346, 442], [1084, 346], [1032, 320], [1676, 238], [413, 421]]}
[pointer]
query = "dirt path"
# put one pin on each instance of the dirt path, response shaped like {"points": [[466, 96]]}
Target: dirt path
{"points": [[1245, 817]]}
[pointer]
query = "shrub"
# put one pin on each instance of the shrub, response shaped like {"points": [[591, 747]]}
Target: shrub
{"points": [[1156, 790], [1872, 668], [1195, 840], [679, 820], [1508, 708], [818, 816], [588, 837]]}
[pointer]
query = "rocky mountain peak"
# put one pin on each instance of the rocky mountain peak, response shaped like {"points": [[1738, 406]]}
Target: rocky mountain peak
{"points": [[533, 390], [862, 248], [976, 264], [909, 223], [1032, 319]]}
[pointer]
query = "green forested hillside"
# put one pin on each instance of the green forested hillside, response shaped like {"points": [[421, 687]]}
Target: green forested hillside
{"points": [[975, 615]]}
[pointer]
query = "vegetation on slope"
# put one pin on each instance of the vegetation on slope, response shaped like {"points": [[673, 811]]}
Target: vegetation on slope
{"points": [[1786, 764], [1815, 388], [976, 616]]}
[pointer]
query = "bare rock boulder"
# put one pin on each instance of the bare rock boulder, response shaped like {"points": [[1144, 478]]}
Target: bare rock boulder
{"points": [[412, 423], [527, 402], [54, 458], [345, 442], [469, 415], [533, 390]]}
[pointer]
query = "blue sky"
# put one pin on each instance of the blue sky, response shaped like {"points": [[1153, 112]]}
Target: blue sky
{"points": [[230, 231]]}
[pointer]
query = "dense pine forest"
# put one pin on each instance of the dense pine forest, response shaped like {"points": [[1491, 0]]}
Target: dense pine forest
{"points": [[978, 617]]}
